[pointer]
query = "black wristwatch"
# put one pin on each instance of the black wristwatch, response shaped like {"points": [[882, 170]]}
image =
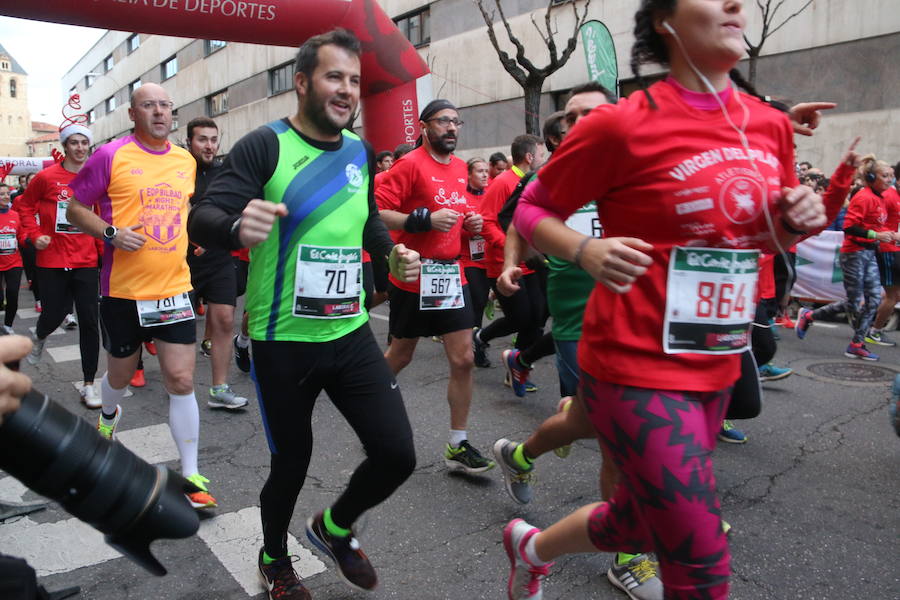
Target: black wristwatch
{"points": [[109, 234]]}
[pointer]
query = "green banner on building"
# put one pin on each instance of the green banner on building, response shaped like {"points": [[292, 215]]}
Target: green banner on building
{"points": [[600, 55]]}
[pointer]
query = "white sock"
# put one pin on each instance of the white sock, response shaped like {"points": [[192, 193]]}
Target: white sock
{"points": [[184, 423], [457, 436], [531, 554], [109, 395], [242, 341]]}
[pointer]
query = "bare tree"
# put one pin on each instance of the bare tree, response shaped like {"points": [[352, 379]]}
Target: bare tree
{"points": [[520, 67], [769, 10]]}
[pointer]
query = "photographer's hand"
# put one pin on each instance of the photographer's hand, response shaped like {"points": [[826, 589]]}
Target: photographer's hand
{"points": [[13, 385]]}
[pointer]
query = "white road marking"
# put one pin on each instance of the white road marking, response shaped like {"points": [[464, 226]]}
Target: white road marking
{"points": [[26, 313], [57, 331], [80, 384], [378, 316], [64, 353], [235, 538], [154, 443]]}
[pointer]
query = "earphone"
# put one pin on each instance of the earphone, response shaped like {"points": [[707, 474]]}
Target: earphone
{"points": [[870, 173], [743, 139]]}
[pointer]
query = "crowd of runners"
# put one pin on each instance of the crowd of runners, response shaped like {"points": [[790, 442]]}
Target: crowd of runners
{"points": [[646, 244]]}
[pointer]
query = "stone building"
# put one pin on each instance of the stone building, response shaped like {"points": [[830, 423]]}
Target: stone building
{"points": [[15, 120]]}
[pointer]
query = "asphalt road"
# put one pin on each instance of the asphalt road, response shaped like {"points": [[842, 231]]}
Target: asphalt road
{"points": [[813, 497]]}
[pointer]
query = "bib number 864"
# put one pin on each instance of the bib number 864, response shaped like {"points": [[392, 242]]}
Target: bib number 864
{"points": [[721, 301]]}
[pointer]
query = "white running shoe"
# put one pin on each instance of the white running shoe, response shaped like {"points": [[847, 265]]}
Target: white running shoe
{"points": [[90, 397]]}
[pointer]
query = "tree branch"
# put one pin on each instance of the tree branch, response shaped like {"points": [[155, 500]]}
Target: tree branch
{"points": [[783, 23], [509, 65]]}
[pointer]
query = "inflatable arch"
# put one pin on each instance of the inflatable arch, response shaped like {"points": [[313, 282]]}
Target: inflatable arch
{"points": [[395, 79]]}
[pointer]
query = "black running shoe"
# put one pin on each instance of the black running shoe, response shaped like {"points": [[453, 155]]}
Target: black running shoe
{"points": [[352, 563], [480, 349], [241, 356], [281, 580], [466, 458]]}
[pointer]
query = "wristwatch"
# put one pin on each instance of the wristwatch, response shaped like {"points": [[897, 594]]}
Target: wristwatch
{"points": [[109, 234]]}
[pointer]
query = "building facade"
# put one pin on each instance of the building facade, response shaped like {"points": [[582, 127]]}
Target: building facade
{"points": [[15, 119], [834, 50]]}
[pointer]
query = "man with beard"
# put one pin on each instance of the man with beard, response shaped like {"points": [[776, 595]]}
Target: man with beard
{"points": [[424, 199], [298, 191], [140, 185], [213, 272], [66, 257]]}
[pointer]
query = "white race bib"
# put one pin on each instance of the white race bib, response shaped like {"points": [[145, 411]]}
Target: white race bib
{"points": [[8, 243], [166, 311], [328, 282], [586, 221], [440, 286], [62, 223], [476, 247], [710, 300]]}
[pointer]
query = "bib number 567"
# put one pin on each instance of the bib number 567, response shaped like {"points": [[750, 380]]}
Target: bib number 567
{"points": [[440, 285], [721, 301]]}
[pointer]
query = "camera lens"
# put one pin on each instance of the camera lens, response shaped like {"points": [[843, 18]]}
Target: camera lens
{"points": [[60, 456]]}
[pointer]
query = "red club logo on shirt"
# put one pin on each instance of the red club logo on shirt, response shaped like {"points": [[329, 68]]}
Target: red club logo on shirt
{"points": [[741, 199]]}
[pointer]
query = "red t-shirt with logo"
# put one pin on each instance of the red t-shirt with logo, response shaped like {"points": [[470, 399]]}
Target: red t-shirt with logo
{"points": [[892, 223], [11, 237], [869, 211], [498, 192], [417, 180], [673, 176]]}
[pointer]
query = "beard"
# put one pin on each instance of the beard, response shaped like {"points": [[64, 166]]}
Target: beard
{"points": [[444, 144], [315, 111]]}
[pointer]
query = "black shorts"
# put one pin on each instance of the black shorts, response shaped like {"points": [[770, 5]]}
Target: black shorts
{"points": [[407, 321], [889, 268], [241, 268], [216, 285], [123, 334]]}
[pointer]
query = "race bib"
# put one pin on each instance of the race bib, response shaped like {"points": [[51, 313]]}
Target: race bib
{"points": [[710, 300], [166, 311], [328, 282], [8, 243], [440, 287], [585, 221], [62, 223], [476, 247]]}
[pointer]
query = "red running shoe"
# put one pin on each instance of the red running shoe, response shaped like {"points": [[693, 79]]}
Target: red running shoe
{"points": [[137, 380]]}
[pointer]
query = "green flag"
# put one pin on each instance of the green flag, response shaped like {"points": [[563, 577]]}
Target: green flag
{"points": [[600, 55]]}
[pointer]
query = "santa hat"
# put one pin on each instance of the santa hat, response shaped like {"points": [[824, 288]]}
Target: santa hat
{"points": [[72, 129]]}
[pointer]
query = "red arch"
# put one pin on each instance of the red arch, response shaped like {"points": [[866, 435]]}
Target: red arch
{"points": [[391, 67]]}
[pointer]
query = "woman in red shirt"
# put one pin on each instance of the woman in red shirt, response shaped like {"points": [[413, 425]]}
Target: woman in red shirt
{"points": [[691, 179], [11, 237], [889, 252]]}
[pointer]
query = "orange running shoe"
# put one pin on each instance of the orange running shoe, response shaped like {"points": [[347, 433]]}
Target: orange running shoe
{"points": [[201, 499], [151, 347], [137, 380]]}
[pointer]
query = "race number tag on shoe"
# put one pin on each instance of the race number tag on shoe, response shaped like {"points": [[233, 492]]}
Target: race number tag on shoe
{"points": [[62, 222], [440, 286], [585, 221], [328, 282], [166, 311], [8, 243], [710, 300], [476, 247]]}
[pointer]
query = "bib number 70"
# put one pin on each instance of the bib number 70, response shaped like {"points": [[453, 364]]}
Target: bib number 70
{"points": [[721, 301]]}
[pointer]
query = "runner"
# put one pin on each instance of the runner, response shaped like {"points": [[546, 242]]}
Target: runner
{"points": [[472, 258], [888, 255], [12, 236], [865, 226], [307, 317], [423, 199], [659, 352], [66, 257], [213, 274], [28, 251], [141, 185]]}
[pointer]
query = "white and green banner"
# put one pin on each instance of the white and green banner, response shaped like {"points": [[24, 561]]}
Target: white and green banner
{"points": [[600, 55], [819, 275]]}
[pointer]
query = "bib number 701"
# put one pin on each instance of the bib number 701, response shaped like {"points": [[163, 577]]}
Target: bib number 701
{"points": [[722, 300]]}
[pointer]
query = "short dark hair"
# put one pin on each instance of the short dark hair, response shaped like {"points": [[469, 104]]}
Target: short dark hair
{"points": [[308, 55], [497, 157], [200, 122], [592, 86], [383, 155], [402, 149], [807, 163], [553, 129], [522, 145]]}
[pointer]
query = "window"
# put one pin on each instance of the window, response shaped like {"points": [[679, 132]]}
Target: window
{"points": [[170, 68], [281, 79], [110, 104], [108, 64], [92, 116], [134, 42], [12, 88], [174, 119], [212, 45], [415, 26], [89, 80], [133, 86], [217, 103], [4, 65]]}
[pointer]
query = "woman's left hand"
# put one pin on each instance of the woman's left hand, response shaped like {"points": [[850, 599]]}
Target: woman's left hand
{"points": [[801, 208]]}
